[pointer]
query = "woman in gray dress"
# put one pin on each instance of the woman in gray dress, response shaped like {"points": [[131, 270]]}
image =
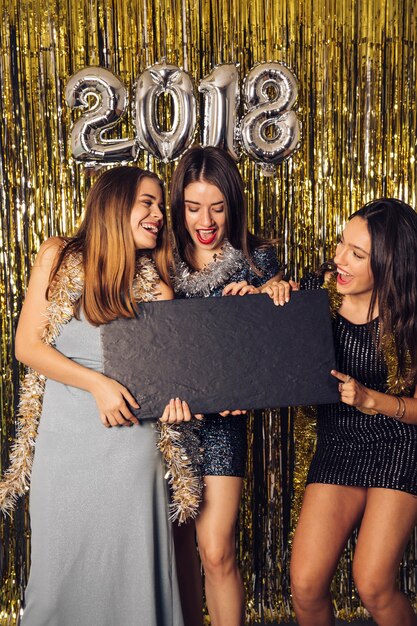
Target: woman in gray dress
{"points": [[102, 553]]}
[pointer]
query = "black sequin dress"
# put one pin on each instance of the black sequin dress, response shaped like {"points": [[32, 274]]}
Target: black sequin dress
{"points": [[354, 448], [224, 439]]}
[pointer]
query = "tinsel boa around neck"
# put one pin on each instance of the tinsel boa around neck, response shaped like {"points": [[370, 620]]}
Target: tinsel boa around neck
{"points": [[192, 283], [178, 444]]}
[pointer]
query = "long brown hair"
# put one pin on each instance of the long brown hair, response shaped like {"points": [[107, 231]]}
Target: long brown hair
{"points": [[214, 166], [106, 244], [392, 225]]}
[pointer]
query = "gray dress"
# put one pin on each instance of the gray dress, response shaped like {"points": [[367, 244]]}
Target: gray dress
{"points": [[102, 551]]}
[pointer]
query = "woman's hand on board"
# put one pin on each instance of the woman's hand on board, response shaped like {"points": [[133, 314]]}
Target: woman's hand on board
{"points": [[113, 402], [177, 411], [240, 288], [278, 290]]}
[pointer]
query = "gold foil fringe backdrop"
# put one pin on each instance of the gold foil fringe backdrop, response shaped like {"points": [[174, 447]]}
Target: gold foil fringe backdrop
{"points": [[356, 66]]}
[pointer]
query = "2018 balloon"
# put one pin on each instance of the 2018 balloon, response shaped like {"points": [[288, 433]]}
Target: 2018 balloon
{"points": [[152, 83], [109, 104], [270, 130]]}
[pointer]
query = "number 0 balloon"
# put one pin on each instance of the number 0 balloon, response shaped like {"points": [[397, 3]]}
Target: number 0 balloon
{"points": [[152, 84]]}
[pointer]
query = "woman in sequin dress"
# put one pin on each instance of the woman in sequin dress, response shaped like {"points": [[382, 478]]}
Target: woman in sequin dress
{"points": [[102, 549], [216, 255], [364, 472]]}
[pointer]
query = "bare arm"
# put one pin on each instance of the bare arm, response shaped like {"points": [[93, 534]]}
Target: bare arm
{"points": [[163, 292], [110, 396]]}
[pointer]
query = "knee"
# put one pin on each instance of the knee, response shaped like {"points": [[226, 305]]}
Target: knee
{"points": [[218, 558], [374, 589], [307, 588]]}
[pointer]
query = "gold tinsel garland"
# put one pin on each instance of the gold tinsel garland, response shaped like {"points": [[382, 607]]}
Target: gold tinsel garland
{"points": [[64, 293], [356, 66], [180, 448]]}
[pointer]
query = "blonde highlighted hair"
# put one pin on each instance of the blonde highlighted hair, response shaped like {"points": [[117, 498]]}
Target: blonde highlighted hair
{"points": [[105, 242]]}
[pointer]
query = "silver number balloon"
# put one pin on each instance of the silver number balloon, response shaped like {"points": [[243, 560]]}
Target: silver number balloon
{"points": [[109, 103], [221, 101], [270, 130], [151, 85]]}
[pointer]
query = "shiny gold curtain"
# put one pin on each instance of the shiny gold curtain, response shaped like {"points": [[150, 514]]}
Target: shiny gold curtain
{"points": [[356, 66]]}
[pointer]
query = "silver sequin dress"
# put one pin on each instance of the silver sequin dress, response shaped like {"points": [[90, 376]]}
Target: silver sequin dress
{"points": [[354, 448], [224, 439], [102, 552]]}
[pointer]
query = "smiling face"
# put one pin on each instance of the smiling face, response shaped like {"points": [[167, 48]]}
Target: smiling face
{"points": [[353, 260], [147, 218], [205, 215]]}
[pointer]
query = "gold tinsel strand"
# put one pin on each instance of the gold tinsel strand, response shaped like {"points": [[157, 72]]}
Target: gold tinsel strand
{"points": [[356, 63]]}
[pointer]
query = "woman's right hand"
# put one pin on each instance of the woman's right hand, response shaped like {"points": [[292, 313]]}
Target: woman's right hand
{"points": [[112, 401], [177, 411]]}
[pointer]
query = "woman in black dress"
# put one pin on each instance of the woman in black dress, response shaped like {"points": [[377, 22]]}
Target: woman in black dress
{"points": [[364, 471]]}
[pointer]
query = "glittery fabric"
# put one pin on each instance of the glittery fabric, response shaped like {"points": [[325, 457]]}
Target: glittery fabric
{"points": [[354, 448], [224, 439], [230, 266]]}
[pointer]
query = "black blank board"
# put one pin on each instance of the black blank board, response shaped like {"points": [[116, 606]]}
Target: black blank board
{"points": [[234, 352]]}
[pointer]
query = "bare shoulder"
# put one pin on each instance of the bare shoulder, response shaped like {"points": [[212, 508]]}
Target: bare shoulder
{"points": [[48, 252], [163, 291]]}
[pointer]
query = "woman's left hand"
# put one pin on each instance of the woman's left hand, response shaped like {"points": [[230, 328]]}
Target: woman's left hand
{"points": [[352, 392], [176, 411], [236, 412], [278, 290], [240, 288]]}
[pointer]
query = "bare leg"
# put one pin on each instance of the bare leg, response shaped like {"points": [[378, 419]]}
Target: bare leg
{"points": [[387, 523], [215, 526], [189, 573], [328, 516]]}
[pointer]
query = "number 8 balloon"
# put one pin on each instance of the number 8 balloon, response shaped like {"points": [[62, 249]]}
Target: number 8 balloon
{"points": [[270, 92]]}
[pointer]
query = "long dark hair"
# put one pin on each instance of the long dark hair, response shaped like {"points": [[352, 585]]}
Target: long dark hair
{"points": [[106, 244], [392, 225], [214, 166]]}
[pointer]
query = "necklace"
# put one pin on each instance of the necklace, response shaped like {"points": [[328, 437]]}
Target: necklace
{"points": [[197, 283]]}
